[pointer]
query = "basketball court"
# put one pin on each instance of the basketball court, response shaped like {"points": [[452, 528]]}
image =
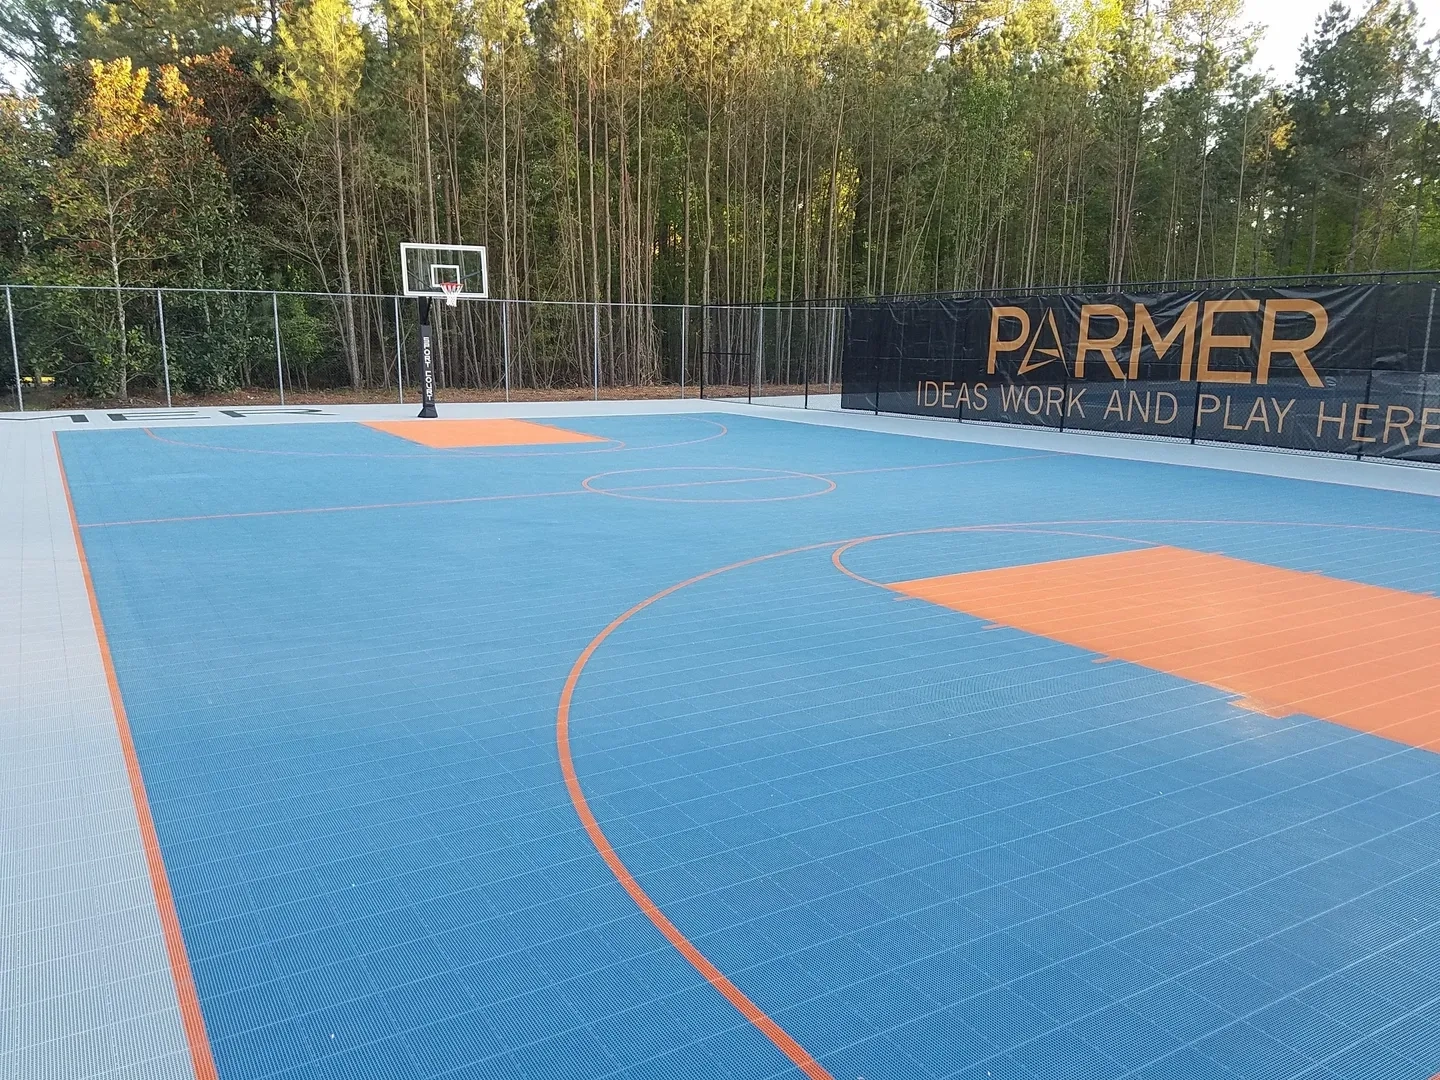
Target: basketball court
{"points": [[698, 740]]}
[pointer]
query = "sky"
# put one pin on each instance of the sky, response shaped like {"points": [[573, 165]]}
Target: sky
{"points": [[1287, 22]]}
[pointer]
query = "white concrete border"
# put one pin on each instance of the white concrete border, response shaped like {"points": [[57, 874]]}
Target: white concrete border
{"points": [[85, 984]]}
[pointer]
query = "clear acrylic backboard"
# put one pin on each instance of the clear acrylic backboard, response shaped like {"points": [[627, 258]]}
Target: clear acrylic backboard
{"points": [[426, 270]]}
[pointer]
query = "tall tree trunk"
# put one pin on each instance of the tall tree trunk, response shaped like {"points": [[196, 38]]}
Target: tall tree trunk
{"points": [[1240, 192], [112, 214], [832, 260], [342, 231]]}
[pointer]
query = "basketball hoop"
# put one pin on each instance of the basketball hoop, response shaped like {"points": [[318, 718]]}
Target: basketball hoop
{"points": [[449, 272]]}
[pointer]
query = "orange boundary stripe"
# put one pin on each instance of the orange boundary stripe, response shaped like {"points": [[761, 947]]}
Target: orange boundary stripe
{"points": [[190, 1016], [732, 993]]}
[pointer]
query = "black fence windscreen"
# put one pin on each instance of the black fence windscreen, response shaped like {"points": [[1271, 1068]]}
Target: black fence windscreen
{"points": [[1344, 369]]}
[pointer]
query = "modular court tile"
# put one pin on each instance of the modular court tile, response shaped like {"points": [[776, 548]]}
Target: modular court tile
{"points": [[483, 772]]}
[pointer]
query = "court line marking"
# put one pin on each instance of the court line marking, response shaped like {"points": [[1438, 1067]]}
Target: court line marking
{"points": [[782, 1040], [533, 494], [777, 1035], [192, 1019], [773, 474], [779, 475], [461, 500], [946, 464], [455, 451], [331, 509], [436, 452], [837, 556]]}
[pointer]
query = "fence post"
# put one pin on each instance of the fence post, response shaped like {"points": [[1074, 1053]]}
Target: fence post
{"points": [[750, 372], [685, 343], [1064, 392], [164, 347], [1369, 383], [1195, 413], [805, 357], [505, 344], [835, 316], [399, 353], [703, 314], [1429, 320], [759, 348], [595, 375], [279, 363], [829, 343], [14, 349], [878, 360]]}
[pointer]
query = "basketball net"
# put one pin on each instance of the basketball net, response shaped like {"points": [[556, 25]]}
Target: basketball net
{"points": [[452, 292]]}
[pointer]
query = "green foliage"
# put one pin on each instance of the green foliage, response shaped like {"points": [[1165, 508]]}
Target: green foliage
{"points": [[304, 337], [321, 53], [695, 150], [219, 341], [25, 153], [78, 337]]}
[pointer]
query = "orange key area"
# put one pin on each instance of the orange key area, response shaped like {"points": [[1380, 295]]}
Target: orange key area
{"points": [[455, 434], [1283, 640]]}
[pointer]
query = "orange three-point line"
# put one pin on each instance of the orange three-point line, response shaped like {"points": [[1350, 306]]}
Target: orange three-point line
{"points": [[782, 1039]]}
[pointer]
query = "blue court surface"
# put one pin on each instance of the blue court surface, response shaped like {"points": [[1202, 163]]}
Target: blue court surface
{"points": [[439, 794]]}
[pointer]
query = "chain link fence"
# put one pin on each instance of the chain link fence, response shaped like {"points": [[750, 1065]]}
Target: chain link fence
{"points": [[77, 346], [1332, 365]]}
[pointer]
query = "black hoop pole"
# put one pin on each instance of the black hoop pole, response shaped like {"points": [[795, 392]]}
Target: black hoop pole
{"points": [[427, 362]]}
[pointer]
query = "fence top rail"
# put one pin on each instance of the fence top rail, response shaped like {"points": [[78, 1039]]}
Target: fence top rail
{"points": [[1096, 288], [1063, 375], [150, 290]]}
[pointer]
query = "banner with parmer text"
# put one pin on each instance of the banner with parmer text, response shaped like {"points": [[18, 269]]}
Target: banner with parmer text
{"points": [[1343, 369]]}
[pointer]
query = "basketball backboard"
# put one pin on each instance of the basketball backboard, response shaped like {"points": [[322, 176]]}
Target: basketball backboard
{"points": [[427, 268]]}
